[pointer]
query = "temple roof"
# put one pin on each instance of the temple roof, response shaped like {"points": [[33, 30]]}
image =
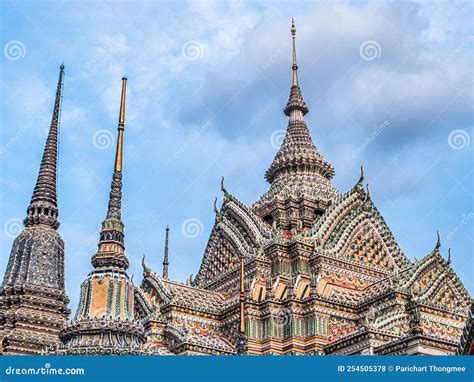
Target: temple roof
{"points": [[298, 155], [191, 297], [298, 168], [186, 296]]}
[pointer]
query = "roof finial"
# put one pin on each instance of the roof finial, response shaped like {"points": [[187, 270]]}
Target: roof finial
{"points": [[449, 257], [438, 242], [165, 260], [121, 126], [216, 211], [190, 280], [295, 102], [295, 66], [361, 178], [368, 190], [146, 270], [222, 186]]}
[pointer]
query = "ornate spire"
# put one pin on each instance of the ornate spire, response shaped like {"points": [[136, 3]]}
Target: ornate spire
{"points": [[33, 299], [165, 260], [295, 101], [111, 244], [121, 127], [105, 318], [115, 200], [297, 153], [43, 208]]}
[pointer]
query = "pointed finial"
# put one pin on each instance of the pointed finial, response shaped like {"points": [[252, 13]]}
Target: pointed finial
{"points": [[361, 178], [146, 270], [131, 278], [115, 199], [438, 242], [222, 186], [449, 257], [165, 260], [121, 126], [295, 66], [368, 190], [215, 207]]}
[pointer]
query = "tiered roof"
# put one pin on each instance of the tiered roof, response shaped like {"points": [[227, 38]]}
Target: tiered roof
{"points": [[298, 167]]}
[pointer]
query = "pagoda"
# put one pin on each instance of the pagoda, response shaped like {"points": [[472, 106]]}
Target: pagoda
{"points": [[309, 270], [33, 299], [105, 318]]}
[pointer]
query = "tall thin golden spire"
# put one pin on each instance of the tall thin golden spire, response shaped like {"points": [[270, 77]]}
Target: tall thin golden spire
{"points": [[242, 298], [295, 66], [121, 127], [241, 344], [111, 245]]}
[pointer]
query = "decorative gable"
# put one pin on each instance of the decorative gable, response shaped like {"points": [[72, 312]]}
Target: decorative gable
{"points": [[366, 246]]}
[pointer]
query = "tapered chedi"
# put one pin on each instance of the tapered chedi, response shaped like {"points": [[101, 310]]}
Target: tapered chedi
{"points": [[33, 300], [105, 318]]}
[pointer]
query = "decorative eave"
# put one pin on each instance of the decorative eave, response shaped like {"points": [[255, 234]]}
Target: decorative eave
{"points": [[164, 289], [358, 337], [402, 342]]}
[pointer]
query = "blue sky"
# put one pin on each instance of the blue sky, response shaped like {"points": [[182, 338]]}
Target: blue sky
{"points": [[389, 86]]}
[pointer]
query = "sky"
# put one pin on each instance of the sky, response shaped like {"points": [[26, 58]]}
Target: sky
{"points": [[389, 85]]}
